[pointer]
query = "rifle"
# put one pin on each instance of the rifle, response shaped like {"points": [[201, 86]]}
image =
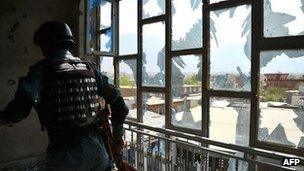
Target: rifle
{"points": [[119, 164]]}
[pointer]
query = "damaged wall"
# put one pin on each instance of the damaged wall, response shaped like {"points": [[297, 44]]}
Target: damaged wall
{"points": [[18, 20]]}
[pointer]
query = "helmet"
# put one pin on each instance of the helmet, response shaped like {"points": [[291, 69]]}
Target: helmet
{"points": [[54, 33]]}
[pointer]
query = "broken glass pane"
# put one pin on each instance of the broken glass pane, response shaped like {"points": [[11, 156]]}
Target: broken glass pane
{"points": [[105, 14], [91, 26], [229, 120], [152, 8], [106, 41], [107, 68], [153, 59], [282, 97], [283, 18], [186, 91], [153, 109], [186, 24], [128, 27], [230, 52], [127, 85]]}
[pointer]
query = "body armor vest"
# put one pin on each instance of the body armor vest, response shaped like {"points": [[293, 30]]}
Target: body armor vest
{"points": [[69, 95]]}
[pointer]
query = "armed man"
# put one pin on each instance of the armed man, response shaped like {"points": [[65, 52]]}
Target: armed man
{"points": [[66, 92]]}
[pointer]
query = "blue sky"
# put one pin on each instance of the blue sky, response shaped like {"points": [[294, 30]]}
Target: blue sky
{"points": [[282, 63], [226, 56]]}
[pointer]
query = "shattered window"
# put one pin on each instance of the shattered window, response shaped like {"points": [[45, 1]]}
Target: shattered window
{"points": [[105, 20], [107, 68], [283, 18], [186, 34], [229, 122], [106, 41], [103, 31], [153, 109], [153, 57], [282, 97], [105, 14], [91, 25], [127, 27], [231, 114], [187, 91], [152, 8], [281, 74], [230, 49], [127, 84]]}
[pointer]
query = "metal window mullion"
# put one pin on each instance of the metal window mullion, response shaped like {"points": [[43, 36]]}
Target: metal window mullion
{"points": [[139, 61], [196, 51], [153, 89], [227, 4], [101, 53], [282, 43], [104, 31], [97, 38], [139, 74], [115, 39], [86, 21], [256, 36], [97, 22], [231, 94], [154, 19], [168, 70], [133, 56], [205, 68]]}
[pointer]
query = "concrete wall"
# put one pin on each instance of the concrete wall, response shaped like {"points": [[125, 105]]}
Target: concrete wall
{"points": [[18, 20]]}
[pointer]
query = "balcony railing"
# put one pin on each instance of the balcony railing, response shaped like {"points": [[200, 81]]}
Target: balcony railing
{"points": [[157, 149]]}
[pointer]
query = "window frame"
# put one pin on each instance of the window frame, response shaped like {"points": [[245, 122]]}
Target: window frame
{"points": [[259, 43]]}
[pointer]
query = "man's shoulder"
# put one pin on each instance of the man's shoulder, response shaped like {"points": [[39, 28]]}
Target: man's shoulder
{"points": [[37, 68]]}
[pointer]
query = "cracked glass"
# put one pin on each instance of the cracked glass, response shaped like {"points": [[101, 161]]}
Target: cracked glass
{"points": [[153, 57], [187, 91], [188, 33], [152, 8], [229, 120], [107, 67], [127, 85], [283, 18], [105, 14], [127, 27], [106, 41], [153, 109], [282, 97], [230, 49]]}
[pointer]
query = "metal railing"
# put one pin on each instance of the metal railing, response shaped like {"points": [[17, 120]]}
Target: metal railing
{"points": [[157, 149]]}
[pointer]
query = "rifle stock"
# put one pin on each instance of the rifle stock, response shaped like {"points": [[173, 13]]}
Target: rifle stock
{"points": [[119, 164]]}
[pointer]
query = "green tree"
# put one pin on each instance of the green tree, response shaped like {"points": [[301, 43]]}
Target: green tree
{"points": [[276, 94], [125, 80], [191, 80]]}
